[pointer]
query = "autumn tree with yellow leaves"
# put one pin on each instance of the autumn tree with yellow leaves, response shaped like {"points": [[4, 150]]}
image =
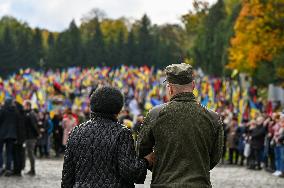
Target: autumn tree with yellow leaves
{"points": [[259, 38]]}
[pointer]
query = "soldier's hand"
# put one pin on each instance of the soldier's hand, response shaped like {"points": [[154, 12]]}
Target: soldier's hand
{"points": [[151, 158]]}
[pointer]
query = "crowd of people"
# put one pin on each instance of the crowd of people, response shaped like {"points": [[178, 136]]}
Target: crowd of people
{"points": [[257, 143], [40, 108]]}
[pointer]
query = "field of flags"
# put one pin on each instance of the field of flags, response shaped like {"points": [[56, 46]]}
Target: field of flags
{"points": [[55, 90]]}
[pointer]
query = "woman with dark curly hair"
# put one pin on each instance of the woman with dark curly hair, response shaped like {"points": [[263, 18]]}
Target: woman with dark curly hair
{"points": [[100, 152]]}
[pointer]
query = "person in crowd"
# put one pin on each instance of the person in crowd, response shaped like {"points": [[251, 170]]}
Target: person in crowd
{"points": [[281, 142], [124, 114], [241, 134], [128, 94], [279, 163], [45, 128], [57, 133], [87, 113], [232, 141], [19, 151], [269, 157], [257, 134], [50, 127], [134, 108], [186, 137], [225, 119], [100, 152], [41, 141], [68, 123], [32, 134], [9, 120], [137, 127], [80, 115]]}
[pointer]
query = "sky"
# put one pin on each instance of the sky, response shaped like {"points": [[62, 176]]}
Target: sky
{"points": [[56, 15]]}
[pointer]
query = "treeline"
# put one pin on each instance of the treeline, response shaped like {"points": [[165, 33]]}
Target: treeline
{"points": [[231, 35], [238, 36], [97, 41]]}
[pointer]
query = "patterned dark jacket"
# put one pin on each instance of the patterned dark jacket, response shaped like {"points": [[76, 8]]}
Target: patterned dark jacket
{"points": [[100, 153], [188, 142]]}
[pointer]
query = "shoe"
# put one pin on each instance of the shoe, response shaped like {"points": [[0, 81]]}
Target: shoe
{"points": [[258, 168], [31, 173], [269, 170], [251, 167], [16, 174], [277, 173], [2, 171], [281, 175], [8, 173]]}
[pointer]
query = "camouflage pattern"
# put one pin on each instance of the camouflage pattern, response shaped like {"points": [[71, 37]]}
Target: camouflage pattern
{"points": [[179, 73], [187, 139]]}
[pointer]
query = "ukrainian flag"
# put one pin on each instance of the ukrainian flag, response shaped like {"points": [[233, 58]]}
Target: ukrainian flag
{"points": [[253, 109]]}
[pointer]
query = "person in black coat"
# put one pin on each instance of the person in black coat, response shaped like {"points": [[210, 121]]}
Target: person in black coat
{"points": [[32, 134], [9, 118], [100, 152], [57, 133], [19, 151], [257, 135]]}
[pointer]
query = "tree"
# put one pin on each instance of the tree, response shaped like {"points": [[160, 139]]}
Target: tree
{"points": [[96, 46], [74, 49], [23, 48], [170, 45], [7, 50], [233, 9], [193, 20], [209, 45], [121, 48], [145, 43], [258, 35], [37, 48], [279, 67], [131, 49], [51, 49]]}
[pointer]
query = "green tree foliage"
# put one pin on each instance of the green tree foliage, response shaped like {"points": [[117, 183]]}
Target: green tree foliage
{"points": [[204, 38], [209, 46], [51, 48], [145, 42], [131, 48], [74, 46], [7, 52], [209, 31], [96, 46], [37, 48], [98, 41]]}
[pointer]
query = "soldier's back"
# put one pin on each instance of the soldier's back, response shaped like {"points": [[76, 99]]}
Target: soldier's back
{"points": [[185, 134]]}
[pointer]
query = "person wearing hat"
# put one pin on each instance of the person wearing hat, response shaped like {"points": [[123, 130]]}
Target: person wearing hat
{"points": [[100, 152], [186, 137]]}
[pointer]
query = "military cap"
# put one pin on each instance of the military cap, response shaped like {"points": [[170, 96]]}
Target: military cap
{"points": [[180, 74]]}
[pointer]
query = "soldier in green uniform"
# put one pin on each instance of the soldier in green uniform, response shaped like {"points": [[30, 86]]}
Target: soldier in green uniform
{"points": [[187, 138]]}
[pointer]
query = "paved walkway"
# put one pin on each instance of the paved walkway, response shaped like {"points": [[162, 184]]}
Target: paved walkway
{"points": [[49, 174]]}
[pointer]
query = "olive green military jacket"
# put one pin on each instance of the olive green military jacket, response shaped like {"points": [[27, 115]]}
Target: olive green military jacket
{"points": [[187, 139]]}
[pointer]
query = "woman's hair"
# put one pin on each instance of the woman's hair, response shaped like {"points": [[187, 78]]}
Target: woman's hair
{"points": [[106, 100]]}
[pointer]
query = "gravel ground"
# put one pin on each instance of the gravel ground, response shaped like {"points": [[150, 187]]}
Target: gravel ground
{"points": [[49, 174]]}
